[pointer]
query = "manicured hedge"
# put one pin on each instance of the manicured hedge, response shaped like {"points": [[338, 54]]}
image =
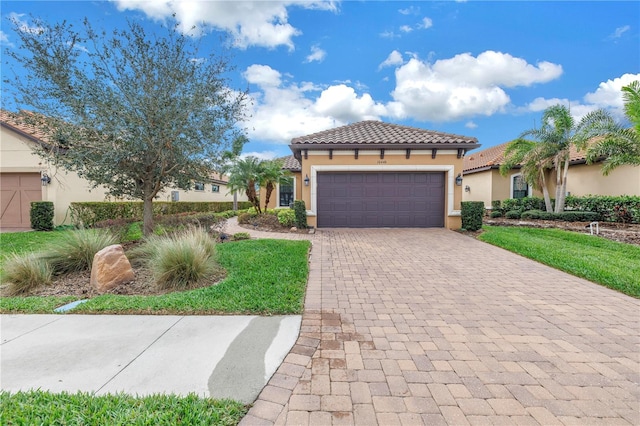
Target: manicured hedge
{"points": [[472, 212], [300, 210], [89, 213], [624, 209], [569, 216], [41, 215]]}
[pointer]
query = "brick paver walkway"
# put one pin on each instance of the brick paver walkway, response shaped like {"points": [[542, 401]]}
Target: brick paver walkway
{"points": [[433, 327]]}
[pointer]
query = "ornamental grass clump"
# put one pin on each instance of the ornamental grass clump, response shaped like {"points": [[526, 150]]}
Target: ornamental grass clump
{"points": [[74, 252], [25, 272], [180, 261]]}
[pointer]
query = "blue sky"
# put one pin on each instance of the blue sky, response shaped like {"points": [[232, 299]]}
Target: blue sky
{"points": [[483, 69]]}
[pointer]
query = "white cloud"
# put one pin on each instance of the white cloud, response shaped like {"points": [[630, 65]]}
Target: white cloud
{"points": [[394, 58], [411, 10], [23, 25], [4, 40], [406, 29], [262, 75], [343, 103], [316, 54], [263, 155], [388, 34], [470, 125], [618, 32], [608, 95], [426, 23], [464, 86], [250, 23]]}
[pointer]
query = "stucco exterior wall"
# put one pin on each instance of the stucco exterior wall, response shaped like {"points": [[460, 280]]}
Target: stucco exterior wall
{"points": [[67, 187], [393, 161], [586, 179]]}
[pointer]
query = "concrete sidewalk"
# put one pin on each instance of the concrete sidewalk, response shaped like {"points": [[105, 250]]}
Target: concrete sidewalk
{"points": [[216, 356]]}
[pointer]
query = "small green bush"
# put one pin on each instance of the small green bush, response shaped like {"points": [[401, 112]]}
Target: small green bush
{"points": [[537, 215], [245, 218], [496, 213], [513, 214], [41, 215], [496, 206], [472, 213], [287, 217], [25, 272], [300, 211], [241, 236], [75, 250], [179, 261], [623, 208]]}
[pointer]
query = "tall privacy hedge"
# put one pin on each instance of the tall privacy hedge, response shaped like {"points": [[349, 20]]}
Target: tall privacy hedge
{"points": [[89, 213], [41, 215], [624, 208], [472, 212]]}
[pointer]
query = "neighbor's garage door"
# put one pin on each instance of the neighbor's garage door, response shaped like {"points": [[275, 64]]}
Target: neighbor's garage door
{"points": [[370, 200], [18, 190]]}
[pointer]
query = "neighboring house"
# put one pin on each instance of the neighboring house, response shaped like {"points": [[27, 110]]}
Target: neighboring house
{"points": [[375, 174], [26, 177], [483, 181]]}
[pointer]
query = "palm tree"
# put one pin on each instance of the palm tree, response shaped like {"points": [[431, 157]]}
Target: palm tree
{"points": [[620, 145], [533, 162], [559, 131], [272, 172], [244, 175]]}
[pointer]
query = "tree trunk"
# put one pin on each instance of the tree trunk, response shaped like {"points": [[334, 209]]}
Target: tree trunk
{"points": [[545, 192], [558, 164], [563, 187], [252, 196], [147, 215], [269, 190]]}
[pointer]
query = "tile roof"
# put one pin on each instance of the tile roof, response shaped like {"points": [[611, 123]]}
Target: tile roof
{"points": [[290, 163], [378, 133], [16, 122], [494, 156]]}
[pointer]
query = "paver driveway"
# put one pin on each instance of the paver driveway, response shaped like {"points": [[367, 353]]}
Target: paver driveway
{"points": [[433, 327]]}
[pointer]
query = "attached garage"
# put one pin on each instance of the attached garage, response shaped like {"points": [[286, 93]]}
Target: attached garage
{"points": [[18, 190], [381, 199]]}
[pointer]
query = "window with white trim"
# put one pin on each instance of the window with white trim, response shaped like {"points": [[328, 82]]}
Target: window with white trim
{"points": [[215, 188], [519, 187], [198, 186], [286, 192]]}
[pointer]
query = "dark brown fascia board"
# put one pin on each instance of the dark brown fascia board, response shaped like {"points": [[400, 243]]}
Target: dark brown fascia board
{"points": [[298, 148]]}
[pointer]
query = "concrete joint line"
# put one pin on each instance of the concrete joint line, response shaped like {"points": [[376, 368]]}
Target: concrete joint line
{"points": [[31, 331], [138, 356]]}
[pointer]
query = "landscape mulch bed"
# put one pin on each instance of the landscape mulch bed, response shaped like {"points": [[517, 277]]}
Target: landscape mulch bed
{"points": [[621, 232]]}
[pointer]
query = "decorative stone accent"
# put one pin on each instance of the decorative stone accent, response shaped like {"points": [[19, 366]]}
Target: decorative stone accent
{"points": [[293, 229], [110, 268]]}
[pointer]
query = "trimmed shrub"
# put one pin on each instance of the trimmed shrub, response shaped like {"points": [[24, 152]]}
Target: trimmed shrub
{"points": [[523, 204], [241, 236], [41, 215], [87, 214], [75, 250], [286, 217], [25, 272], [472, 213], [245, 218], [624, 208], [537, 215], [513, 214], [496, 206], [496, 213], [300, 211]]}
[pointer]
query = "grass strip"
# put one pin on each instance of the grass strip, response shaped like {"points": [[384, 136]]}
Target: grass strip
{"points": [[264, 277], [609, 263], [46, 408]]}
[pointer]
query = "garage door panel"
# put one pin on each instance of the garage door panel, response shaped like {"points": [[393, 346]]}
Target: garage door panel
{"points": [[18, 191], [381, 199]]}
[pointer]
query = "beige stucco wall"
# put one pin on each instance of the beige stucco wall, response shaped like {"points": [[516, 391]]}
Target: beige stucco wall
{"points": [[275, 195], [586, 179], [67, 187], [394, 160]]}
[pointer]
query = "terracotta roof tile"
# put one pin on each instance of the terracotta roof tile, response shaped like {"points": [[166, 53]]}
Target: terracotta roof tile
{"points": [[290, 163], [494, 156], [16, 122], [377, 132]]}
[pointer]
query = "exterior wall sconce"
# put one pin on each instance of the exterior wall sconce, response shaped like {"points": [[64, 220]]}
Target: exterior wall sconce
{"points": [[306, 180], [45, 179], [459, 180], [467, 188]]}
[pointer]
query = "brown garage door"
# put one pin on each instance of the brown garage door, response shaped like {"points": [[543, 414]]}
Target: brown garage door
{"points": [[18, 190], [373, 200]]}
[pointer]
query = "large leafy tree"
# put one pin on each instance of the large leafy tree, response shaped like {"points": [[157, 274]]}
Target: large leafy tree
{"points": [[133, 112], [620, 145], [558, 133]]}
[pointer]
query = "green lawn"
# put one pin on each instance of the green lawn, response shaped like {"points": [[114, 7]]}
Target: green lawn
{"points": [[264, 277], [612, 264], [24, 242], [46, 408]]}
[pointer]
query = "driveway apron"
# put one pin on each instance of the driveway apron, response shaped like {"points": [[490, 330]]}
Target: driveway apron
{"points": [[428, 326]]}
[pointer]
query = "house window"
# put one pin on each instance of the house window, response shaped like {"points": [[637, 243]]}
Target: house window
{"points": [[286, 192], [199, 186], [215, 188], [520, 187]]}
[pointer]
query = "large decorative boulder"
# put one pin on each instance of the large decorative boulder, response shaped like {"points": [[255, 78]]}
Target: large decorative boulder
{"points": [[110, 268]]}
